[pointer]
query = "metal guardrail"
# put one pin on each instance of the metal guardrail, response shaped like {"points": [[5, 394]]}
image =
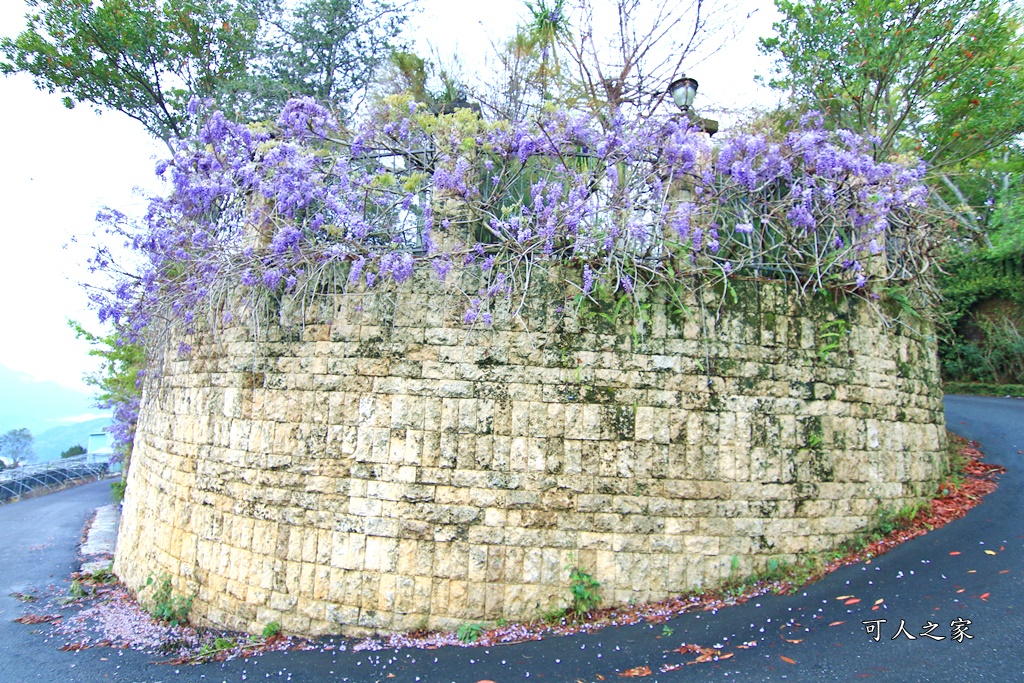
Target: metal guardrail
{"points": [[48, 476]]}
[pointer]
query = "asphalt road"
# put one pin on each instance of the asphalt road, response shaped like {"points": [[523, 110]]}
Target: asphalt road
{"points": [[811, 636]]}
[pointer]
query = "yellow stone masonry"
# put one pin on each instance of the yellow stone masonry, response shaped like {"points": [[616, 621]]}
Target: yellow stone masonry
{"points": [[379, 467]]}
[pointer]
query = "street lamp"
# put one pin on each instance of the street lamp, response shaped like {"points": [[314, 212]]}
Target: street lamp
{"points": [[683, 91]]}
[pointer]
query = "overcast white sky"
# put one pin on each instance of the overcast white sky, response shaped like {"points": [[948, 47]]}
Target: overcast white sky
{"points": [[60, 167]]}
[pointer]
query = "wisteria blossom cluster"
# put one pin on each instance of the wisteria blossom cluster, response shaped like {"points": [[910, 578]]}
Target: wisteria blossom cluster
{"points": [[620, 208]]}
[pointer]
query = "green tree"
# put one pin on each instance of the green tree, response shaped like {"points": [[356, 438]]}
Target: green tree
{"points": [[940, 79], [16, 445], [331, 49], [546, 29], [74, 451], [149, 58], [117, 382], [145, 58]]}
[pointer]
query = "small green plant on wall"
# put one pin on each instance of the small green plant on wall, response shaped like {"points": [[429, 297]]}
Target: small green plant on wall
{"points": [[584, 590], [831, 335], [272, 630], [162, 604], [470, 633]]}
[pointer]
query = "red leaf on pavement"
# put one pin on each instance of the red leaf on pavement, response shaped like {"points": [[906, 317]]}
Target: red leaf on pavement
{"points": [[786, 659], [38, 618], [955, 552], [636, 672], [836, 623], [852, 601], [984, 596]]}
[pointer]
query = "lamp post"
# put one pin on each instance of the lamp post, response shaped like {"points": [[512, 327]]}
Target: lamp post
{"points": [[683, 91]]}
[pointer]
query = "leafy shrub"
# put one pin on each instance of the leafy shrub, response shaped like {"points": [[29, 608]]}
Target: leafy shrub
{"points": [[163, 604], [117, 490], [470, 633], [584, 590], [272, 629], [998, 357]]}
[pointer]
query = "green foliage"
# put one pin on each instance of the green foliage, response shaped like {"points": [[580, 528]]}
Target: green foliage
{"points": [[983, 297], [145, 58], [584, 590], [890, 519], [984, 389], [74, 451], [830, 336], [983, 311], [940, 78], [667, 630], [220, 644], [998, 357], [330, 49], [117, 490], [272, 629], [412, 70], [1007, 222], [117, 380], [77, 589], [470, 633], [162, 604], [545, 31], [16, 445], [553, 615], [102, 576], [148, 58]]}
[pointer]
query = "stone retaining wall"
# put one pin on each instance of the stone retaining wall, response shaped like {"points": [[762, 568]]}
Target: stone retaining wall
{"points": [[380, 467]]}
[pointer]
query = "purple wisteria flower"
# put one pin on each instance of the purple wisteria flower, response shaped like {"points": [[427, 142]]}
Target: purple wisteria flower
{"points": [[268, 206]]}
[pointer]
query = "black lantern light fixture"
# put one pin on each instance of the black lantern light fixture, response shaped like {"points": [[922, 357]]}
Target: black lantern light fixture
{"points": [[683, 91]]}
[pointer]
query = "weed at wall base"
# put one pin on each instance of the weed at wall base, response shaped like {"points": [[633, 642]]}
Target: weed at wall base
{"points": [[162, 604]]}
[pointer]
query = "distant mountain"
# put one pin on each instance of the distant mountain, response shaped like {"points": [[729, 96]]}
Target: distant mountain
{"points": [[40, 406], [50, 444]]}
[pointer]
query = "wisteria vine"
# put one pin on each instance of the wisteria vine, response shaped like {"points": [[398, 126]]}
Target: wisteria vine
{"points": [[622, 208]]}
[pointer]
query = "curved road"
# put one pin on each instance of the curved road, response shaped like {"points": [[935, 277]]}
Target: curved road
{"points": [[810, 636]]}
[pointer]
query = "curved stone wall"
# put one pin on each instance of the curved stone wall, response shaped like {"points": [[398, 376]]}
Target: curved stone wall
{"points": [[379, 467]]}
